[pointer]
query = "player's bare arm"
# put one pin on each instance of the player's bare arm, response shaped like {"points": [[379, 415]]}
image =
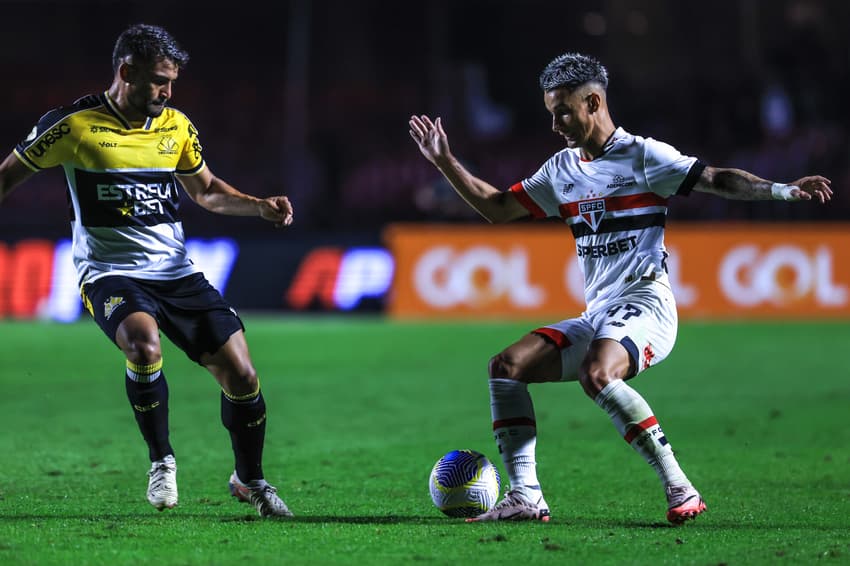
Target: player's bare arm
{"points": [[12, 173], [494, 205], [742, 185], [216, 195]]}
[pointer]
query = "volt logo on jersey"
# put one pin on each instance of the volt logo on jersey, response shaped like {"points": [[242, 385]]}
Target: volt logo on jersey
{"points": [[592, 211]]}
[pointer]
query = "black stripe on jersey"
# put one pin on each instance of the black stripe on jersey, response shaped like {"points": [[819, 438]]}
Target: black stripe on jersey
{"points": [[24, 157], [133, 198], [691, 179], [191, 171], [620, 224]]}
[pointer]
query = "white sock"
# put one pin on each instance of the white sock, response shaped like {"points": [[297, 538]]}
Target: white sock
{"points": [[515, 431], [635, 422]]}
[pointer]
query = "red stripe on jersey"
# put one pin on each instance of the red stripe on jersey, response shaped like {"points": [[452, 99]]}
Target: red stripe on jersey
{"points": [[639, 428], [526, 201], [517, 421], [560, 339], [618, 203]]}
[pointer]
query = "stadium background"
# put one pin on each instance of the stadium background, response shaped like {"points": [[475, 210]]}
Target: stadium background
{"points": [[314, 104]]}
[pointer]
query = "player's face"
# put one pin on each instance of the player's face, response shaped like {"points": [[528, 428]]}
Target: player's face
{"points": [[150, 87], [571, 118]]}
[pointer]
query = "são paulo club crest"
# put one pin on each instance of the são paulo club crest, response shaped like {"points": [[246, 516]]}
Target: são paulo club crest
{"points": [[592, 211]]}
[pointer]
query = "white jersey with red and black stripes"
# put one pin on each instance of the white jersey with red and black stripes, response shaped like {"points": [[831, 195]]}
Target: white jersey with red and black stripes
{"points": [[615, 205]]}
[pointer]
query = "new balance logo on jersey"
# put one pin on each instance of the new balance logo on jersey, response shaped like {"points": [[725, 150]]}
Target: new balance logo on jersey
{"points": [[592, 211]]}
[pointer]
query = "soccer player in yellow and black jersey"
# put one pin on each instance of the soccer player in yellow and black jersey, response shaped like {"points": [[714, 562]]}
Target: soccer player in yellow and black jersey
{"points": [[126, 155]]}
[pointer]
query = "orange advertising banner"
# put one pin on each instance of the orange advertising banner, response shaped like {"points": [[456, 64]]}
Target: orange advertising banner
{"points": [[528, 271]]}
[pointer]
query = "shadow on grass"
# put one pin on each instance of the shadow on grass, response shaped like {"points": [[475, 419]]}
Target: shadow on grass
{"points": [[176, 516], [435, 520]]}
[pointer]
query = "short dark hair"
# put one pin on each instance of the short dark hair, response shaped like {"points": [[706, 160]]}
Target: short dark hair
{"points": [[572, 70], [148, 44]]}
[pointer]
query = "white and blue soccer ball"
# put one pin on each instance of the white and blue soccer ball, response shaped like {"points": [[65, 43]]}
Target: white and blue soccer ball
{"points": [[464, 483]]}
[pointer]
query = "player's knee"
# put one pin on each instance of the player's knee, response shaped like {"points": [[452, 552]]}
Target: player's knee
{"points": [[594, 378], [143, 350], [242, 382], [504, 366]]}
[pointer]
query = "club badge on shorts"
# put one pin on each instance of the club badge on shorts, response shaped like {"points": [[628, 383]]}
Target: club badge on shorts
{"points": [[110, 305]]}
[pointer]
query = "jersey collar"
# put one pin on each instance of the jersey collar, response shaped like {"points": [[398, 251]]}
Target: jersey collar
{"points": [[113, 109], [615, 136]]}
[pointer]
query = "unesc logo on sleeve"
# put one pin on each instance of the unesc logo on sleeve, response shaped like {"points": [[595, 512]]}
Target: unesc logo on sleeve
{"points": [[110, 304]]}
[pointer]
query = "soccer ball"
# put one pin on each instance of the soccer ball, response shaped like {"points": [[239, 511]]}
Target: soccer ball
{"points": [[464, 483]]}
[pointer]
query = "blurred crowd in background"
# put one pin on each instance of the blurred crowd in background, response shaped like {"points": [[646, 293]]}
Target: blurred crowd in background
{"points": [[312, 98]]}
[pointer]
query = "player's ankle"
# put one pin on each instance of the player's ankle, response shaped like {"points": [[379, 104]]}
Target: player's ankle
{"points": [[530, 493]]}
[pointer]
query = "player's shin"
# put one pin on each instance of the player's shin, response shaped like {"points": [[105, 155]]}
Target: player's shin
{"points": [[147, 392], [515, 431], [636, 423], [245, 418]]}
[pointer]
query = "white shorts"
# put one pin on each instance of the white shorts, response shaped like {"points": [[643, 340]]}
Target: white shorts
{"points": [[643, 319]]}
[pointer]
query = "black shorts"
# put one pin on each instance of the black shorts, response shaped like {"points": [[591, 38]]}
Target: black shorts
{"points": [[189, 311]]}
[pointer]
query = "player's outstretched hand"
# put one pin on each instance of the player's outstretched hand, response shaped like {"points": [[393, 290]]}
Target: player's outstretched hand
{"points": [[276, 209], [430, 137], [811, 187]]}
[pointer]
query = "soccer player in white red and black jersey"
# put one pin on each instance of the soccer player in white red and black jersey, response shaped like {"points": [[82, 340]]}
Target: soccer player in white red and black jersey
{"points": [[126, 153], [611, 188]]}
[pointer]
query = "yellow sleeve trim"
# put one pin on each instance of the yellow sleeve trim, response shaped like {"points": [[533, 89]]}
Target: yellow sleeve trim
{"points": [[23, 159]]}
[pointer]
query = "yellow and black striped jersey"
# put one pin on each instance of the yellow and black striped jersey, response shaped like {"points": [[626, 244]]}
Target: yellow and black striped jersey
{"points": [[122, 185]]}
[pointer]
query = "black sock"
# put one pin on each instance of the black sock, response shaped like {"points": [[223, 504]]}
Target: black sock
{"points": [[246, 421], [150, 406]]}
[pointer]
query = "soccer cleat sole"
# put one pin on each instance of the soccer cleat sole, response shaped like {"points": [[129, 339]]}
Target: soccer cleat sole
{"points": [[543, 517]]}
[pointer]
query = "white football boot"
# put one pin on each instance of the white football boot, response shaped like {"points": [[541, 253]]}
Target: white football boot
{"points": [[261, 495], [162, 483]]}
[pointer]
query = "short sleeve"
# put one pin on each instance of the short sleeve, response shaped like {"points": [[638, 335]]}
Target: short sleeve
{"points": [[51, 142], [536, 193], [664, 168], [191, 158]]}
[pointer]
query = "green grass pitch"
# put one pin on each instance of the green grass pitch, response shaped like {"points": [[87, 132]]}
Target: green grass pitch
{"points": [[361, 408]]}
